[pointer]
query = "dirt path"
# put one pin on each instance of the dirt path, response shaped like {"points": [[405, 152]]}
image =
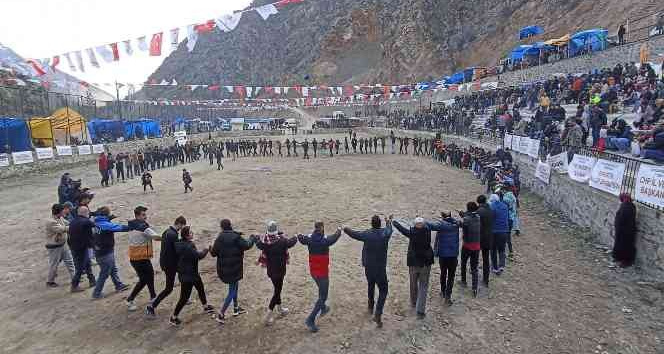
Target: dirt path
{"points": [[558, 296]]}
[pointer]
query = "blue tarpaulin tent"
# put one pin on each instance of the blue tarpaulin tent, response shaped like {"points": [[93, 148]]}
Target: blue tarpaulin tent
{"points": [[142, 128], [104, 130], [15, 133], [530, 31], [519, 52], [456, 78], [593, 40]]}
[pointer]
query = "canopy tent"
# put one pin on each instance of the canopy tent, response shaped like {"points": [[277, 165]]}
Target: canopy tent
{"points": [[530, 31], [456, 78], [15, 134], [559, 42], [64, 127], [534, 49], [519, 52], [105, 131], [593, 40], [142, 128]]}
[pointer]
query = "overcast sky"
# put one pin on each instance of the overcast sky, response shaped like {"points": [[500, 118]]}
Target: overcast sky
{"points": [[43, 28]]}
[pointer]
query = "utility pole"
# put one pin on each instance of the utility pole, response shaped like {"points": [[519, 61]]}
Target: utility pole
{"points": [[117, 96]]}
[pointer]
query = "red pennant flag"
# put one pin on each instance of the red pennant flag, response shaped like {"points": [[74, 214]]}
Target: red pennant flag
{"points": [[155, 44], [84, 84], [283, 3], [37, 66], [348, 90], [55, 62], [213, 87], [240, 91], [116, 52], [205, 27]]}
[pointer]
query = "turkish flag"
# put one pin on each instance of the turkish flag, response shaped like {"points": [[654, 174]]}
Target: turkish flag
{"points": [[205, 27], [116, 52], [155, 44]]}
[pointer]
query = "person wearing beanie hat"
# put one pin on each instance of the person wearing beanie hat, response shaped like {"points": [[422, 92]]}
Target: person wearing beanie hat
{"points": [[419, 261], [274, 257], [374, 260]]}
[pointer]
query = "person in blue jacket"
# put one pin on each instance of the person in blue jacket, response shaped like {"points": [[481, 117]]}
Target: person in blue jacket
{"points": [[501, 229], [446, 248], [374, 260], [104, 249]]}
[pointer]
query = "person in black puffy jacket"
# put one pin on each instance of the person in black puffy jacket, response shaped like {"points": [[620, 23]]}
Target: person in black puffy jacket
{"points": [[168, 261], [229, 248], [188, 257]]}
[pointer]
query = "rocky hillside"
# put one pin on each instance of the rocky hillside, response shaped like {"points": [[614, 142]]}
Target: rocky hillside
{"points": [[369, 41]]}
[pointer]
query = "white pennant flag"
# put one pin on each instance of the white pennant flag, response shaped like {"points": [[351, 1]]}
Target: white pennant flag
{"points": [[142, 44], [305, 91], [72, 67], [92, 57], [277, 90], [266, 10], [127, 48], [105, 53], [192, 37], [228, 23], [250, 91], [175, 34], [174, 83], [79, 61], [258, 88]]}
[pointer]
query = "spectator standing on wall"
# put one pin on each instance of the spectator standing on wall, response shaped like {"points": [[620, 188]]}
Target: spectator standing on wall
{"points": [[621, 34]]}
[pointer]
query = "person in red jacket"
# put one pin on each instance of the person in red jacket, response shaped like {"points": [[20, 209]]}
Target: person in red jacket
{"points": [[103, 169], [319, 264]]}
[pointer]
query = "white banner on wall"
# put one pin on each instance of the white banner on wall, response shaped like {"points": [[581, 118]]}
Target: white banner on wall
{"points": [[44, 153], [524, 144], [98, 149], [650, 184], [559, 163], [64, 150], [22, 157], [533, 148], [516, 140], [581, 168], [543, 172], [4, 160], [607, 176], [507, 143], [84, 150]]}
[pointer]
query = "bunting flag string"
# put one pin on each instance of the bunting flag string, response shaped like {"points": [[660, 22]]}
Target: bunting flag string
{"points": [[110, 53]]}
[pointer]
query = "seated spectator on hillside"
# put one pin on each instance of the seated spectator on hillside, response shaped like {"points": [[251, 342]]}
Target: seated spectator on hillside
{"points": [[619, 136], [654, 148]]}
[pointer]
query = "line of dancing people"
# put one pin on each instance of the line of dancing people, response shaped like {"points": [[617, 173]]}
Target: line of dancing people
{"points": [[482, 230]]}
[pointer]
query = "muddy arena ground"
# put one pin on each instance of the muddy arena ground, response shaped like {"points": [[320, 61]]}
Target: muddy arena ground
{"points": [[560, 294]]}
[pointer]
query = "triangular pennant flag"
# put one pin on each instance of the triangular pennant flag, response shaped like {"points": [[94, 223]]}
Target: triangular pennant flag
{"points": [[105, 53], [256, 89], [174, 83], [206, 27], [175, 34], [142, 44], [228, 23], [70, 62], [79, 60], [250, 91], [55, 62], [283, 3], [129, 51], [192, 37], [92, 57], [115, 51], [155, 44], [266, 10], [277, 90], [37, 67]]}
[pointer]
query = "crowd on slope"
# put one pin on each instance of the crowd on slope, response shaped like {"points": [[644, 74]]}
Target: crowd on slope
{"points": [[623, 88]]}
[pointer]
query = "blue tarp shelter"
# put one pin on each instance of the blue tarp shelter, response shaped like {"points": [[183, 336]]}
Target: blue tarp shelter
{"points": [[519, 52], [142, 128], [593, 40], [530, 31], [456, 78], [105, 130], [15, 133]]}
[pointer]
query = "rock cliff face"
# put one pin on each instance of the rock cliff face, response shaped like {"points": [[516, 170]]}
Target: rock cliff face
{"points": [[376, 41]]}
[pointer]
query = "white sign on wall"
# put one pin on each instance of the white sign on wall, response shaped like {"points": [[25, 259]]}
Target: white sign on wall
{"points": [[533, 148], [64, 150], [581, 168], [524, 145], [650, 185], [84, 150], [516, 141], [559, 163], [4, 160], [44, 153], [507, 143], [22, 157], [607, 176], [543, 172], [98, 149]]}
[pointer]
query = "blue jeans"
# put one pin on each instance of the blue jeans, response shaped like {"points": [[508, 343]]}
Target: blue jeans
{"points": [[233, 289], [82, 265], [621, 144], [323, 287], [595, 135], [107, 268]]}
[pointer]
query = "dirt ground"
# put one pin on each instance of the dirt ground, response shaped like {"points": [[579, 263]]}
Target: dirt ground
{"points": [[559, 295]]}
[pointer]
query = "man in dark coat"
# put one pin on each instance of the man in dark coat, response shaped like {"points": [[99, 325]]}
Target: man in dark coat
{"points": [[486, 236], [168, 261], [374, 260], [229, 248], [624, 250], [80, 240]]}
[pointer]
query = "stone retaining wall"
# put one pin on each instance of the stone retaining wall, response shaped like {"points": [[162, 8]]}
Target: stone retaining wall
{"points": [[585, 206]]}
